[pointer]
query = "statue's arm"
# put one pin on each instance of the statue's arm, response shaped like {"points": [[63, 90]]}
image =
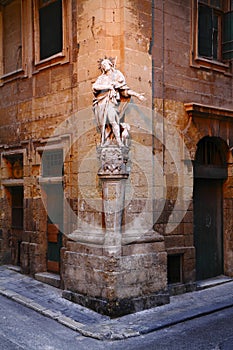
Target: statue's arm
{"points": [[124, 90], [129, 93]]}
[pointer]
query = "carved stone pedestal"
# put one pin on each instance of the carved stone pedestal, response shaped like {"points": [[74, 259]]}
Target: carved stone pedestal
{"points": [[113, 174], [106, 273], [132, 280]]}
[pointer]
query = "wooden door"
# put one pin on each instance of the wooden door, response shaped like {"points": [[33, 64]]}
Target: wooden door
{"points": [[54, 226], [208, 235]]}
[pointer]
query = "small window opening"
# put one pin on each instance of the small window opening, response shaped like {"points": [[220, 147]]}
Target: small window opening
{"points": [[17, 207], [174, 268], [13, 164]]}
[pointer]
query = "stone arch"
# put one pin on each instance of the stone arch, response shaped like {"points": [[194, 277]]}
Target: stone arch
{"points": [[210, 172], [211, 158]]}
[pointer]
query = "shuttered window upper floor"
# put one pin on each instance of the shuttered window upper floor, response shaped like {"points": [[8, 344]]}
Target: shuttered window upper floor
{"points": [[213, 34], [33, 35]]}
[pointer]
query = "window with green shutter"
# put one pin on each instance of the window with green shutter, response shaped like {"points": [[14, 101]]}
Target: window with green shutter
{"points": [[215, 30], [205, 31], [227, 45], [210, 19]]}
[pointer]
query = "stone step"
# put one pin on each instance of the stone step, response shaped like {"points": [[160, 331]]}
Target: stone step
{"points": [[49, 278], [15, 268], [212, 282]]}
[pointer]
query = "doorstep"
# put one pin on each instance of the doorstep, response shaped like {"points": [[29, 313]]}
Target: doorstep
{"points": [[49, 278], [212, 282]]}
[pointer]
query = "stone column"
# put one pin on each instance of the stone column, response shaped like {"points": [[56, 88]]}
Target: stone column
{"points": [[113, 174]]}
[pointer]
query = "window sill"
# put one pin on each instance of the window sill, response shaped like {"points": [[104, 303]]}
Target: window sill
{"points": [[12, 182], [50, 180], [200, 62], [60, 58], [19, 73]]}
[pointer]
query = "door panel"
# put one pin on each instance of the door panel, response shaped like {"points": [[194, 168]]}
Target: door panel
{"points": [[208, 228], [53, 233], [54, 226]]}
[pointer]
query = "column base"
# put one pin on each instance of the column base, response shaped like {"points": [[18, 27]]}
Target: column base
{"points": [[119, 307]]}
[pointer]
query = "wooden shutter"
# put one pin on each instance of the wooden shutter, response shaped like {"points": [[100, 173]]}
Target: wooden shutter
{"points": [[227, 48], [205, 31]]}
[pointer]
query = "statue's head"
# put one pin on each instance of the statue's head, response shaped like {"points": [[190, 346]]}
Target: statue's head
{"points": [[105, 64]]}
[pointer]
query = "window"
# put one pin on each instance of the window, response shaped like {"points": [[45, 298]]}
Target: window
{"points": [[228, 35], [51, 32], [12, 37], [52, 163], [174, 268], [17, 207], [213, 33], [209, 30], [15, 31], [50, 23]]}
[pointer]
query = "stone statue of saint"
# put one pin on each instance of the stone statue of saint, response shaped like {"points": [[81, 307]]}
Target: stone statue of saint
{"points": [[110, 92]]}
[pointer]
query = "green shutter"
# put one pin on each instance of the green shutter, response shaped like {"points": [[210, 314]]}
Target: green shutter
{"points": [[227, 48], [205, 31]]}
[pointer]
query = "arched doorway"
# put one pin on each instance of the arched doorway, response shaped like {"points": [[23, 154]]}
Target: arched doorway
{"points": [[210, 171]]}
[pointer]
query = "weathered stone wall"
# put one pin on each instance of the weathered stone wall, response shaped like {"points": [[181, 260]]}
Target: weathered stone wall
{"points": [[176, 82], [117, 29], [48, 103], [32, 106], [5, 240], [228, 220], [174, 76]]}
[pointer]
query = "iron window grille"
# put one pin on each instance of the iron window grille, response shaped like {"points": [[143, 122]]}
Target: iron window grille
{"points": [[52, 163]]}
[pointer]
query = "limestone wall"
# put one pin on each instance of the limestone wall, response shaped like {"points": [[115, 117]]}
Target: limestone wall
{"points": [[51, 106]]}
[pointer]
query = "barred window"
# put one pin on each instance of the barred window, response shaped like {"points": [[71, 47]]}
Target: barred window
{"points": [[52, 163]]}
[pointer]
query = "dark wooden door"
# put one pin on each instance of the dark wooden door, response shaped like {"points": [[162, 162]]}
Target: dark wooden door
{"points": [[208, 228], [54, 226]]}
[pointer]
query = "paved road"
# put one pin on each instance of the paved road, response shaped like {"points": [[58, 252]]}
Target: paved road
{"points": [[49, 302], [25, 329], [211, 332]]}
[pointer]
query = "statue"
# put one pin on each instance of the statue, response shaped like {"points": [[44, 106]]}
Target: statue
{"points": [[111, 95]]}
